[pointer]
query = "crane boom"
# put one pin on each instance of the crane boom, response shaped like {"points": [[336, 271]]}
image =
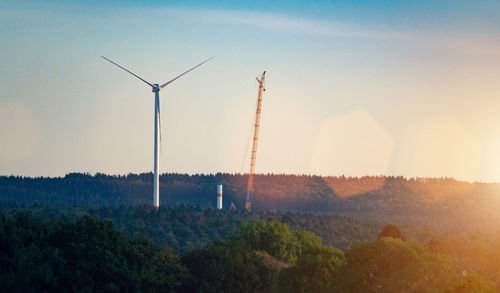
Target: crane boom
{"points": [[250, 186]]}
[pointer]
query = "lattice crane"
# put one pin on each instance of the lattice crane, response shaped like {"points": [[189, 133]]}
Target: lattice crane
{"points": [[250, 187]]}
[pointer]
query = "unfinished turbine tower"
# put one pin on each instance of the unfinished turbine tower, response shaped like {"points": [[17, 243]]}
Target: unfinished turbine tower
{"points": [[250, 186], [156, 89]]}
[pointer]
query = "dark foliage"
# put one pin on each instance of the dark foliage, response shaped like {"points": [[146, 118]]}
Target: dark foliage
{"points": [[392, 265], [436, 202], [314, 271], [393, 231], [90, 255], [185, 228], [87, 255], [227, 267]]}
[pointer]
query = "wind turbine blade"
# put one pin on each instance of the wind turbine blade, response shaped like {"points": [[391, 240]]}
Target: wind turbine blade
{"points": [[168, 82], [159, 124], [128, 71]]}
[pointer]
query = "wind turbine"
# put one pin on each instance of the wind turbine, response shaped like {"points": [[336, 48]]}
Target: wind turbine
{"points": [[156, 89]]}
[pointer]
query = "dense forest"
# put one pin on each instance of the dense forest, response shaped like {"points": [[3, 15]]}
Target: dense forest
{"points": [[185, 227], [89, 255], [99, 233], [440, 203]]}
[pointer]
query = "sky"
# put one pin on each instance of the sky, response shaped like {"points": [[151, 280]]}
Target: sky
{"points": [[407, 88]]}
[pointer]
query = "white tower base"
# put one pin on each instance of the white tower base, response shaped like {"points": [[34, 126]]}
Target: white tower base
{"points": [[219, 197]]}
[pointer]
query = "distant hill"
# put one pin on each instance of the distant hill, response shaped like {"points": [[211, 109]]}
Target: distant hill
{"points": [[436, 202]]}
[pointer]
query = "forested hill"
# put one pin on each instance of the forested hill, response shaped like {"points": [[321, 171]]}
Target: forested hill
{"points": [[89, 255], [440, 203], [184, 228]]}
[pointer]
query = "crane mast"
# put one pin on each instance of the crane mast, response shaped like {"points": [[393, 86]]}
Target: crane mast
{"points": [[250, 186]]}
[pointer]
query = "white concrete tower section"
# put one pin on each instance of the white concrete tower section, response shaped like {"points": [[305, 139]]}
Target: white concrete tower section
{"points": [[219, 197]]}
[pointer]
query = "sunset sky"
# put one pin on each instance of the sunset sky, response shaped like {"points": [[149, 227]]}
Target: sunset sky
{"points": [[406, 88]]}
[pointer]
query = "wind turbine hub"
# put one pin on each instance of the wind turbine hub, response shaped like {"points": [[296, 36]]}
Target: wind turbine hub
{"points": [[156, 88]]}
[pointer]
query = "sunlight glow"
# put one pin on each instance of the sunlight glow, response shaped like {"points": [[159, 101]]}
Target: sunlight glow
{"points": [[353, 144]]}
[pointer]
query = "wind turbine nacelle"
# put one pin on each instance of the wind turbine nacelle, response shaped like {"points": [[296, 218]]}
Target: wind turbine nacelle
{"points": [[156, 88]]}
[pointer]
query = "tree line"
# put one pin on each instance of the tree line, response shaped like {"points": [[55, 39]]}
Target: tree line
{"points": [[442, 203]]}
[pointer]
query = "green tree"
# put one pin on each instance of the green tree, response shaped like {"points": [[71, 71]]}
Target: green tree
{"points": [[26, 262], [470, 283], [94, 254], [159, 268], [314, 271], [227, 267], [393, 265], [390, 230], [271, 236], [307, 241]]}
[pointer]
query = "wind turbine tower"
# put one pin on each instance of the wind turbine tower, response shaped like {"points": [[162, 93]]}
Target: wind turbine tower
{"points": [[156, 90], [250, 186]]}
